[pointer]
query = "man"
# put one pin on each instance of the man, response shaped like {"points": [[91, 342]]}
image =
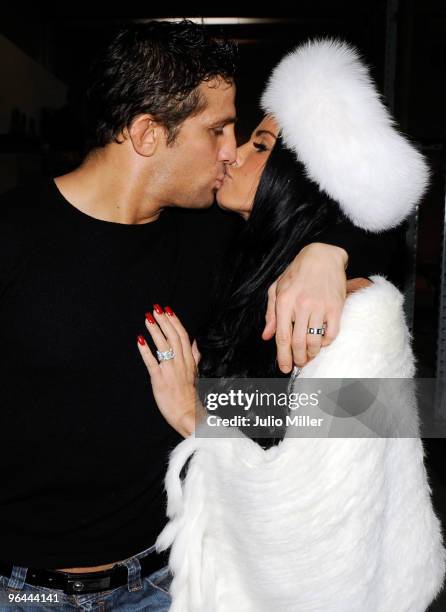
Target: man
{"points": [[83, 257]]}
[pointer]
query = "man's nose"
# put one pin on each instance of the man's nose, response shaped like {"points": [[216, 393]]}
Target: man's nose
{"points": [[228, 152], [239, 156], [238, 160]]}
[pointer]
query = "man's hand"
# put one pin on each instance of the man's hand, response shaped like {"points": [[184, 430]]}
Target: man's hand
{"points": [[310, 292], [353, 284]]}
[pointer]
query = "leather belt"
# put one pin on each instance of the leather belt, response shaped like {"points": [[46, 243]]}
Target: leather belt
{"points": [[74, 583]]}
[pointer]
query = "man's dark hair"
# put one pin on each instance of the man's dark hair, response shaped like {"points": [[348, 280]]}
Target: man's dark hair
{"points": [[154, 68]]}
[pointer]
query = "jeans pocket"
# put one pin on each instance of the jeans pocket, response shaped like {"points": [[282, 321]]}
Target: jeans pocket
{"points": [[160, 579]]}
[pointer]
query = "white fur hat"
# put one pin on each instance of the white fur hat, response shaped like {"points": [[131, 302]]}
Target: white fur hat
{"points": [[331, 115]]}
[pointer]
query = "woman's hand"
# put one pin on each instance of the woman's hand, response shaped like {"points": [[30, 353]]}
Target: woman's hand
{"points": [[173, 381]]}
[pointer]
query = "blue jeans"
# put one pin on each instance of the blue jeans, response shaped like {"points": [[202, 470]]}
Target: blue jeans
{"points": [[140, 593]]}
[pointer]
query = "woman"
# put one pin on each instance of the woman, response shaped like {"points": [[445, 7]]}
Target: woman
{"points": [[318, 524]]}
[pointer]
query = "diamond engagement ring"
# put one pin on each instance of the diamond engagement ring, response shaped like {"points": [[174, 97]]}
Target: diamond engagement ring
{"points": [[165, 355]]}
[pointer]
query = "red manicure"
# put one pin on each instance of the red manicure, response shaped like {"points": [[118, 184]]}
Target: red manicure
{"points": [[158, 309], [169, 311], [141, 340], [150, 318]]}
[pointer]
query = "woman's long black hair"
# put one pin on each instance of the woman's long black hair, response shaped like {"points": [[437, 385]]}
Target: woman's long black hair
{"points": [[289, 211]]}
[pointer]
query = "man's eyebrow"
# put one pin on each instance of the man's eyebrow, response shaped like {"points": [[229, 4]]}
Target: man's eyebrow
{"points": [[261, 132], [225, 120]]}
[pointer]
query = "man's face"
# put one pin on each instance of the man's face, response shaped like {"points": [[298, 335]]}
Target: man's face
{"points": [[193, 166]]}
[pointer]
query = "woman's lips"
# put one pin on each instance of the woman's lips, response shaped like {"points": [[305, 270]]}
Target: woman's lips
{"points": [[219, 180], [226, 176]]}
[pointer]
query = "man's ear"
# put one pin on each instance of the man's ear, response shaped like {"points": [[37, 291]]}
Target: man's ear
{"points": [[145, 134]]}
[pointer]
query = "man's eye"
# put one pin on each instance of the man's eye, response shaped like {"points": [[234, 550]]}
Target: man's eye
{"points": [[259, 146], [218, 131]]}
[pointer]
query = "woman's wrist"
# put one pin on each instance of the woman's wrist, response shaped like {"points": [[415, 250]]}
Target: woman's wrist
{"points": [[189, 420]]}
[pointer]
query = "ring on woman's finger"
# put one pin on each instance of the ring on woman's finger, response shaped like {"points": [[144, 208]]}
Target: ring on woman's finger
{"points": [[165, 355]]}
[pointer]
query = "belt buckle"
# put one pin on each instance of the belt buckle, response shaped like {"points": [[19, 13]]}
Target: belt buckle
{"points": [[86, 584]]}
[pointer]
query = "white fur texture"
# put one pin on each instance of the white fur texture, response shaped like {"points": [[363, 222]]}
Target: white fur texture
{"points": [[332, 117], [313, 524]]}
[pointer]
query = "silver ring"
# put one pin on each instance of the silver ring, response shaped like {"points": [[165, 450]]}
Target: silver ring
{"points": [[320, 331], [165, 355]]}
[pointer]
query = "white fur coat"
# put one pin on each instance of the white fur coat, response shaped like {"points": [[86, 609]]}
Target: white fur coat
{"points": [[312, 524]]}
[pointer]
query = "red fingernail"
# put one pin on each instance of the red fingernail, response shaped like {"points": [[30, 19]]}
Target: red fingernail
{"points": [[141, 340], [150, 318], [169, 311], [157, 308]]}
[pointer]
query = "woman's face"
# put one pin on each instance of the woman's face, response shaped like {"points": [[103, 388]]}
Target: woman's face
{"points": [[242, 178]]}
